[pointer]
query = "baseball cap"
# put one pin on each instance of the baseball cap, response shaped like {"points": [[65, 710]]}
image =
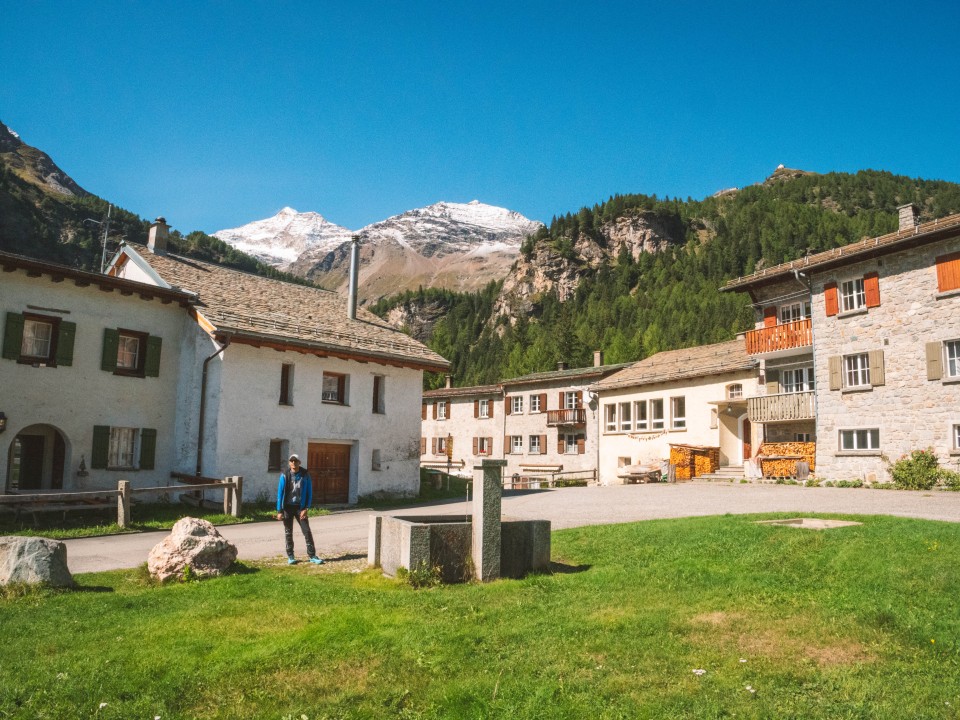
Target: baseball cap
{"points": [[294, 457]]}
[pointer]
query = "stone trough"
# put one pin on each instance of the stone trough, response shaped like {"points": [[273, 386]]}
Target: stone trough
{"points": [[810, 523], [481, 546]]}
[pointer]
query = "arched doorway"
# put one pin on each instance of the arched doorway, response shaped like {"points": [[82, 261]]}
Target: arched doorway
{"points": [[746, 431], [36, 459]]}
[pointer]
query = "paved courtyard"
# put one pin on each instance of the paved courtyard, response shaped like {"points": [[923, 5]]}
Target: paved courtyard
{"points": [[344, 534]]}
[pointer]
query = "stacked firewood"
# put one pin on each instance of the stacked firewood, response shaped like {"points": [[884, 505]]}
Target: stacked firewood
{"points": [[692, 461], [780, 459]]}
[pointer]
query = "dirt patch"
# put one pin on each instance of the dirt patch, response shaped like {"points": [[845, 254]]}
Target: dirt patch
{"points": [[346, 563], [717, 619]]}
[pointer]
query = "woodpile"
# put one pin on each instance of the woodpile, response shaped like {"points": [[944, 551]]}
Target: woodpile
{"points": [[692, 461], [779, 460]]}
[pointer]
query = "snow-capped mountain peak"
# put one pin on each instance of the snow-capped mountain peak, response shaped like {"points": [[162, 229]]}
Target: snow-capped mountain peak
{"points": [[281, 239]]}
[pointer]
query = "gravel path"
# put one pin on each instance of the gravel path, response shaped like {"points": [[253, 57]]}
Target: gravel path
{"points": [[342, 536]]}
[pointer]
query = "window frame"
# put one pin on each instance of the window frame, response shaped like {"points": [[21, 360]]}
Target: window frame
{"points": [[951, 363], [855, 299], [638, 424], [805, 383], [516, 444], [735, 391], [678, 420], [534, 446], [379, 395], [484, 446], [441, 445], [535, 404], [625, 420], [610, 423], [341, 380], [275, 455], [441, 408], [956, 437], [570, 398], [117, 454], [516, 404], [854, 434], [50, 359], [572, 448], [794, 312], [286, 386], [657, 418], [139, 367], [483, 409], [860, 373]]}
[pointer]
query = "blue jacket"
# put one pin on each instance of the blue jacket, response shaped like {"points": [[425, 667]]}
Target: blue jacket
{"points": [[306, 494]]}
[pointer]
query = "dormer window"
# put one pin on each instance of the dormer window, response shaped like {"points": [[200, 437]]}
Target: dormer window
{"points": [[735, 391]]}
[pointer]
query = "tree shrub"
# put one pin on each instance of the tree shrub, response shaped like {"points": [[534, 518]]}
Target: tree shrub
{"points": [[917, 471]]}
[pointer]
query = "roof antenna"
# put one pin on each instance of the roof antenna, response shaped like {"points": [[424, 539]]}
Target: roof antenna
{"points": [[106, 230]]}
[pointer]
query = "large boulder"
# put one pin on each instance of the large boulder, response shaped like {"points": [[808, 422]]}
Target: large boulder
{"points": [[192, 542], [34, 560]]}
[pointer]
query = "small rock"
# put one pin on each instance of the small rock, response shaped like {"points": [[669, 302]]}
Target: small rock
{"points": [[33, 560], [192, 542]]}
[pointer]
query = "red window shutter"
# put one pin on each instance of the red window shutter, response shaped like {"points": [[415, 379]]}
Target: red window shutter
{"points": [[770, 316], [506, 444], [506, 405], [434, 409], [581, 446], [476, 446], [433, 446], [579, 399], [423, 446], [489, 446], [830, 299], [561, 446], [490, 405], [871, 289], [560, 405], [476, 410], [543, 402], [423, 411], [948, 272], [543, 444]]}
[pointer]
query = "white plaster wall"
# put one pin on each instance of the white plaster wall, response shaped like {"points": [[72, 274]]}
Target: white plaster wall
{"points": [[75, 398], [910, 411], [652, 448], [463, 427], [249, 415]]}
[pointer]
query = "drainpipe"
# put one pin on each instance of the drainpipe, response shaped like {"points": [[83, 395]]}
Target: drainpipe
{"points": [[203, 405], [354, 276], [813, 354]]}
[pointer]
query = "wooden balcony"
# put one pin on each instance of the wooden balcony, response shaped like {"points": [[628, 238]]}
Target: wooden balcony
{"points": [[779, 337], [576, 416], [781, 408]]}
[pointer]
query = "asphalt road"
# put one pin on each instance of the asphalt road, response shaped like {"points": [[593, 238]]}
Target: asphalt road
{"points": [[343, 534]]}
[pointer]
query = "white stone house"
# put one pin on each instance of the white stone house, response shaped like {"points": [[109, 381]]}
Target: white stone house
{"points": [[541, 424], [89, 377], [270, 368], [882, 338], [693, 396]]}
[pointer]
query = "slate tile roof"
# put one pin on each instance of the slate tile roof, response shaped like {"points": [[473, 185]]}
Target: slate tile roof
{"points": [[692, 362], [925, 232], [470, 391], [570, 374], [254, 307]]}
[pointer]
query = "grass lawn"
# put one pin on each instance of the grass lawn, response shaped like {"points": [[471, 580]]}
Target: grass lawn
{"points": [[855, 622]]}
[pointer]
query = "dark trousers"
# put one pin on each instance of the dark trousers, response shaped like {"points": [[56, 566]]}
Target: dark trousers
{"points": [[289, 513]]}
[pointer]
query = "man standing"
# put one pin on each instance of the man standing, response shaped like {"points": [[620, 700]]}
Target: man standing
{"points": [[294, 496]]}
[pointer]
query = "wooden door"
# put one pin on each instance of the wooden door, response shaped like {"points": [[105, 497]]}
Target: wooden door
{"points": [[31, 462], [329, 467], [747, 446]]}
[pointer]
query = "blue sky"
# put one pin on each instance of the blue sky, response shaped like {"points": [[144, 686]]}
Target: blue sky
{"points": [[217, 114]]}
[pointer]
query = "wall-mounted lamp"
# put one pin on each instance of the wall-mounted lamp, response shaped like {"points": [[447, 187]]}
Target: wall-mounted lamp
{"points": [[3, 422], [82, 469]]}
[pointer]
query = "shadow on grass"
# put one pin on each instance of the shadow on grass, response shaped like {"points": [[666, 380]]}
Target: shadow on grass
{"points": [[561, 569], [93, 589]]}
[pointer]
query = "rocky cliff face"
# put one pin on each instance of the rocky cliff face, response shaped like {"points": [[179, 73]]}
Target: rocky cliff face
{"points": [[35, 166]]}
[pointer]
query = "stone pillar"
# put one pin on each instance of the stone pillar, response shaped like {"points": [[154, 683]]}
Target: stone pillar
{"points": [[374, 540], [123, 503], [485, 525]]}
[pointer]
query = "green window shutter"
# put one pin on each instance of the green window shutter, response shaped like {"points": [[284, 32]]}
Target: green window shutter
{"points": [[148, 448], [836, 372], [152, 366], [12, 336], [66, 334], [876, 367], [101, 447], [111, 344], [934, 364]]}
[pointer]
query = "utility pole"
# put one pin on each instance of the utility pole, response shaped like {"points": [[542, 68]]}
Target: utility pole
{"points": [[106, 229]]}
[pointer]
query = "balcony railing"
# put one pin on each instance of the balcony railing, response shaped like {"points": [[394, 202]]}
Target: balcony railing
{"points": [[782, 407], [779, 337], [576, 416]]}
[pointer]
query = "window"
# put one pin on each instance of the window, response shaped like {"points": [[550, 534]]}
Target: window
{"points": [[516, 404], [482, 446], [571, 400], [802, 437], [379, 391], [610, 417], [948, 272], [275, 456], [952, 350], [852, 295], [640, 414], [441, 446], [483, 409], [38, 340], [678, 413], [735, 391], [131, 353], [626, 422], [516, 444], [535, 445], [856, 370], [656, 414], [123, 448], [286, 384], [375, 460], [794, 312], [334, 388], [797, 380], [624, 461], [956, 437], [440, 410], [868, 439], [573, 444], [534, 403]]}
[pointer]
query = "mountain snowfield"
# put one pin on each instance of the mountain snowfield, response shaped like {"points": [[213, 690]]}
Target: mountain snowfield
{"points": [[460, 246]]}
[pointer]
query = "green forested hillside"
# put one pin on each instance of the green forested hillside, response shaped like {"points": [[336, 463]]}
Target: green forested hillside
{"points": [[670, 299]]}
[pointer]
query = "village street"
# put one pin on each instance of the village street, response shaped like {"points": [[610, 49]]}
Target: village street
{"points": [[344, 533]]}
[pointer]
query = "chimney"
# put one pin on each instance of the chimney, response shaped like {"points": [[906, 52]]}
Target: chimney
{"points": [[354, 275], [562, 365], [449, 381], [597, 358], [909, 217], [157, 238]]}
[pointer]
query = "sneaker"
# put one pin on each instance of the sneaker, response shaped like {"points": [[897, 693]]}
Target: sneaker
{"points": [[291, 561], [316, 561]]}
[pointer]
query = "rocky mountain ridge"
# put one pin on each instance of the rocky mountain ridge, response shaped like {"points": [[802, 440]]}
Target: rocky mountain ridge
{"points": [[35, 166]]}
